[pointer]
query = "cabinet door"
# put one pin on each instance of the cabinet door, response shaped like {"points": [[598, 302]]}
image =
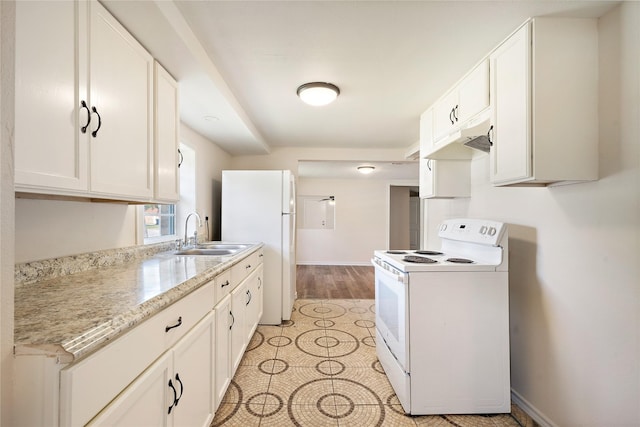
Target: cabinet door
{"points": [[473, 93], [238, 329], [51, 75], [511, 112], [167, 125], [254, 302], [223, 348], [260, 293], [121, 91], [193, 376], [444, 116], [426, 178], [145, 402]]}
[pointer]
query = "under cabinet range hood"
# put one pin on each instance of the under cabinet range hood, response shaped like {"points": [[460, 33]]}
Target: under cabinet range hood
{"points": [[465, 141]]}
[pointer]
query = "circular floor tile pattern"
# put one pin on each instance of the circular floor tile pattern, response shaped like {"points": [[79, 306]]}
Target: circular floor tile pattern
{"points": [[369, 341], [324, 323], [330, 367], [312, 342], [358, 310], [340, 405], [377, 366], [322, 310], [257, 404], [279, 341], [273, 366], [233, 388], [364, 323], [256, 341]]}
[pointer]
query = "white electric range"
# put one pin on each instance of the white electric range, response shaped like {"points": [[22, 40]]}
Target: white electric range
{"points": [[442, 320]]}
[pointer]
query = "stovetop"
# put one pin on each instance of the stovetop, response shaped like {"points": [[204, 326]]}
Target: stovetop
{"points": [[466, 245], [411, 260]]}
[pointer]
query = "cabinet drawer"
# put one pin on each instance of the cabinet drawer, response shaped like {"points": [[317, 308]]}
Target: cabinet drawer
{"points": [[89, 385], [241, 270], [222, 286]]}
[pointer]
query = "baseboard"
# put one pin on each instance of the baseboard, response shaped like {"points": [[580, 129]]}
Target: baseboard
{"points": [[530, 416], [356, 263]]}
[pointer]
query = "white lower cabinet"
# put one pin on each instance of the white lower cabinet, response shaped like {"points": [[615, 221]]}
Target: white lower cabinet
{"points": [[170, 370], [177, 390], [239, 301], [237, 317], [223, 348]]}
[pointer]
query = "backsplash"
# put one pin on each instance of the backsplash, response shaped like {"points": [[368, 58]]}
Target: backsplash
{"points": [[36, 271]]}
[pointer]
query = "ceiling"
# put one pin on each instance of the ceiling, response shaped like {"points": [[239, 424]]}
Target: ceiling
{"points": [[239, 63], [347, 169]]}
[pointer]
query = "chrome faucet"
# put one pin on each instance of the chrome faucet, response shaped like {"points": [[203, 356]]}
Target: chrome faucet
{"points": [[195, 233]]}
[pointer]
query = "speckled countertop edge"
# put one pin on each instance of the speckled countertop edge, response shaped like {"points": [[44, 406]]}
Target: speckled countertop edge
{"points": [[70, 346]]}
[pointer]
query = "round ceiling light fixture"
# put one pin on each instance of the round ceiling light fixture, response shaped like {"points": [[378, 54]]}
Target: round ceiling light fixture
{"points": [[318, 93], [366, 169]]}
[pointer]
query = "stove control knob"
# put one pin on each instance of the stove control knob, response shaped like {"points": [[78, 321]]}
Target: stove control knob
{"points": [[492, 231], [443, 227], [483, 229]]}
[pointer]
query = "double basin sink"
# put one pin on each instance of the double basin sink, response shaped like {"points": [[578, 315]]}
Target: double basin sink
{"points": [[214, 249]]}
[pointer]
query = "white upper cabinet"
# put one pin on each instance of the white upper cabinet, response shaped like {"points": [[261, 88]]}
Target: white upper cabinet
{"points": [[166, 131], [458, 111], [84, 104], [544, 96], [51, 82], [440, 178], [444, 179], [121, 91]]}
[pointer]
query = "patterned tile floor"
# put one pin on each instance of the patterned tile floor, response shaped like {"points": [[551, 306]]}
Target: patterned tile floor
{"points": [[320, 369]]}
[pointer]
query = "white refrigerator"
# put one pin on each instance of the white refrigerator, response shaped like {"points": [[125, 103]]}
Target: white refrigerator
{"points": [[259, 206]]}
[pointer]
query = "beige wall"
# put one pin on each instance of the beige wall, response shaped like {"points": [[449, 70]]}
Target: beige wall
{"points": [[574, 252]]}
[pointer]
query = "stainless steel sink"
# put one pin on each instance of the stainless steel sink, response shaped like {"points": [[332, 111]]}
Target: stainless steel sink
{"points": [[207, 251], [218, 245]]}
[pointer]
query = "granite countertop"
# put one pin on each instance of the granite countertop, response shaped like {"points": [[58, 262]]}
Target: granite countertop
{"points": [[71, 316]]}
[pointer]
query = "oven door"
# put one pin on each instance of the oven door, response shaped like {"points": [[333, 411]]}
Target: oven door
{"points": [[392, 316]]}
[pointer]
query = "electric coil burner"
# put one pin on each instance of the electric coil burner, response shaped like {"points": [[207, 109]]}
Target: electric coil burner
{"points": [[427, 252], [460, 260], [419, 259], [442, 321]]}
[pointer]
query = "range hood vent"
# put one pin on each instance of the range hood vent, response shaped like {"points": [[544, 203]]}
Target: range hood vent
{"points": [[463, 143]]}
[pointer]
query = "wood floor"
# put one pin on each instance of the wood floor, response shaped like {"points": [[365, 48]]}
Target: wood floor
{"points": [[335, 282]]}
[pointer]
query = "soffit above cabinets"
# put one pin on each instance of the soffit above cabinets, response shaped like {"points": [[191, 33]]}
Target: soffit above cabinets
{"points": [[239, 63]]}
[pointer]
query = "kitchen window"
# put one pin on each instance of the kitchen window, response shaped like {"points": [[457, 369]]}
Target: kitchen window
{"points": [[159, 220]]}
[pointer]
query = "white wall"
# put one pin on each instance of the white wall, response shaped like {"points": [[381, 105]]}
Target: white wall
{"points": [[361, 222], [574, 259], [211, 160]]}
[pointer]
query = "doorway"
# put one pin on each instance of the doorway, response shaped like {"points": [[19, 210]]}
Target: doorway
{"points": [[404, 217]]}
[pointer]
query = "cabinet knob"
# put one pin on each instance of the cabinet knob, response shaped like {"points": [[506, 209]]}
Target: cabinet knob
{"points": [[175, 395], [95, 132], [168, 328], [84, 128]]}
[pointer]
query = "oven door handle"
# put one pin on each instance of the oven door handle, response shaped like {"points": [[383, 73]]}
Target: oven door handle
{"points": [[389, 271]]}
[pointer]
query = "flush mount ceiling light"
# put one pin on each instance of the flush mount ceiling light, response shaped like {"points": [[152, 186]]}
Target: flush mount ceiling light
{"points": [[318, 93], [366, 169]]}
